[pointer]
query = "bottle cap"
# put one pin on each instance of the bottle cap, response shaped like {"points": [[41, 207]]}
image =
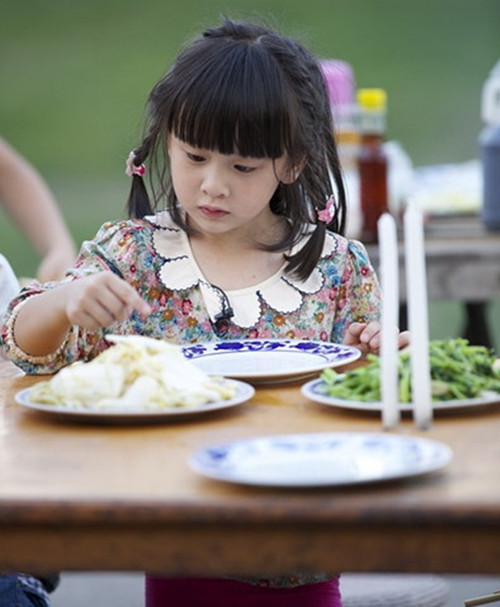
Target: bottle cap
{"points": [[372, 99], [339, 79]]}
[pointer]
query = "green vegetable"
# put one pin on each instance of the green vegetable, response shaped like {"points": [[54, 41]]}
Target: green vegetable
{"points": [[458, 371]]}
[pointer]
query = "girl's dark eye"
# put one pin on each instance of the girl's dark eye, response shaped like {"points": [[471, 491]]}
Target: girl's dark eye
{"points": [[243, 168], [194, 157]]}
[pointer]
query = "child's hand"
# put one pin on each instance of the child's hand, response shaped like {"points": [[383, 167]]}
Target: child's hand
{"points": [[366, 337], [100, 300]]}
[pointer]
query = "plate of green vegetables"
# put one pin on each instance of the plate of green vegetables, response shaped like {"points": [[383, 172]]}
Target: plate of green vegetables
{"points": [[462, 375]]}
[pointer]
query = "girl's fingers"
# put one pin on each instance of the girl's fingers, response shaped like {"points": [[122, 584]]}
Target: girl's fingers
{"points": [[128, 296], [351, 337], [371, 333], [91, 320], [404, 339], [102, 299]]}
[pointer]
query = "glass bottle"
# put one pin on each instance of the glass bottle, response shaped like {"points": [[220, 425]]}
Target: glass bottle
{"points": [[372, 160], [339, 79]]}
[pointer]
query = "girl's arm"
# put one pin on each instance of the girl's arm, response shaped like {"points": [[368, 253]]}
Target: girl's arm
{"points": [[93, 302], [358, 323], [32, 207]]}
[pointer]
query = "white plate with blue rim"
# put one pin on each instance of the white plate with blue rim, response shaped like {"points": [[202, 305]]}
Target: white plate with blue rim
{"points": [[317, 391], [321, 459], [269, 360]]}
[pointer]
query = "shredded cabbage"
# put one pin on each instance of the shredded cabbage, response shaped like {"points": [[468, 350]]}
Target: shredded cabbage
{"points": [[137, 372]]}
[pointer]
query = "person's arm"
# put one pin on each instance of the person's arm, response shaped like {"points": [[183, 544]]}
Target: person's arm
{"points": [[362, 308], [32, 207], [95, 301]]}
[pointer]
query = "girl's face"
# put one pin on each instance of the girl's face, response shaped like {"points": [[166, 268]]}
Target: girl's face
{"points": [[223, 193]]}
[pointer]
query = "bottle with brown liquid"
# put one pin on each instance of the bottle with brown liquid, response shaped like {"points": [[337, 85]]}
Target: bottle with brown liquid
{"points": [[372, 160]]}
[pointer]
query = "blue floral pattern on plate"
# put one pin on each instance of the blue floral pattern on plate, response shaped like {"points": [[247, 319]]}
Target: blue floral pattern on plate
{"points": [[269, 360], [321, 459]]}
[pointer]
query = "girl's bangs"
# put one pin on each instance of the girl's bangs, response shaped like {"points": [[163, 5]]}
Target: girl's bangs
{"points": [[234, 109]]}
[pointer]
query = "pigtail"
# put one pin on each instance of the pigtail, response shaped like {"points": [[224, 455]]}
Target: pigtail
{"points": [[332, 205], [318, 196], [138, 203]]}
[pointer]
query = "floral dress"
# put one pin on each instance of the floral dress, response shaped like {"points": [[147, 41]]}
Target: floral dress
{"points": [[154, 256]]}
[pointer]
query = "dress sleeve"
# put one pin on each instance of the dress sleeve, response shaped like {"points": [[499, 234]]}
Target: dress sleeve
{"points": [[359, 294], [9, 284], [102, 253]]}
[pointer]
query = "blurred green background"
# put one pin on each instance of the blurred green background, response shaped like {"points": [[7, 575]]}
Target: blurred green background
{"points": [[75, 75]]}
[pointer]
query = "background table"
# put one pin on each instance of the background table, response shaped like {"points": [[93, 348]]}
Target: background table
{"points": [[463, 263], [97, 497]]}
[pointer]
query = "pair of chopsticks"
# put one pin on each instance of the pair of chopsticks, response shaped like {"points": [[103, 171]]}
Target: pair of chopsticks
{"points": [[418, 319]]}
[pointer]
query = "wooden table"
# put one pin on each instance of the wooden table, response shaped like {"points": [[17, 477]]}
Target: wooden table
{"points": [[463, 263], [99, 497]]}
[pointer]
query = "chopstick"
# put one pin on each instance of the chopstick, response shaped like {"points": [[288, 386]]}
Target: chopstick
{"points": [[483, 600]]}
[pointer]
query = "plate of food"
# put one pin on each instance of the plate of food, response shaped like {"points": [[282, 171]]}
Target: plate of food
{"points": [[268, 360], [317, 390], [137, 379], [462, 376], [325, 459]]}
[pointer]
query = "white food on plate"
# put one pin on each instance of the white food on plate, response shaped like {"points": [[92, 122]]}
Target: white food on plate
{"points": [[137, 372]]}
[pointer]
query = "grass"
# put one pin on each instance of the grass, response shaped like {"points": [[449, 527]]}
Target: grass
{"points": [[75, 76]]}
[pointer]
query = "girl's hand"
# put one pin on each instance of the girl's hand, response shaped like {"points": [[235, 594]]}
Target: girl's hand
{"points": [[93, 302], [366, 337], [100, 300]]}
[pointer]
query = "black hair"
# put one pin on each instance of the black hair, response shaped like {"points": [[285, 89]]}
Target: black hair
{"points": [[243, 88]]}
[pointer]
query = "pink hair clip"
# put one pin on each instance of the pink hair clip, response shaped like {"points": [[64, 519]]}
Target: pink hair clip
{"points": [[131, 168], [328, 212]]}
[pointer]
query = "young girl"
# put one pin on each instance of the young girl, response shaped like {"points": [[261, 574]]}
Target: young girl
{"points": [[241, 238]]}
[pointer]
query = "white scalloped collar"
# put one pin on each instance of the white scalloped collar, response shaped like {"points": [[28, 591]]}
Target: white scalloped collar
{"points": [[180, 272]]}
